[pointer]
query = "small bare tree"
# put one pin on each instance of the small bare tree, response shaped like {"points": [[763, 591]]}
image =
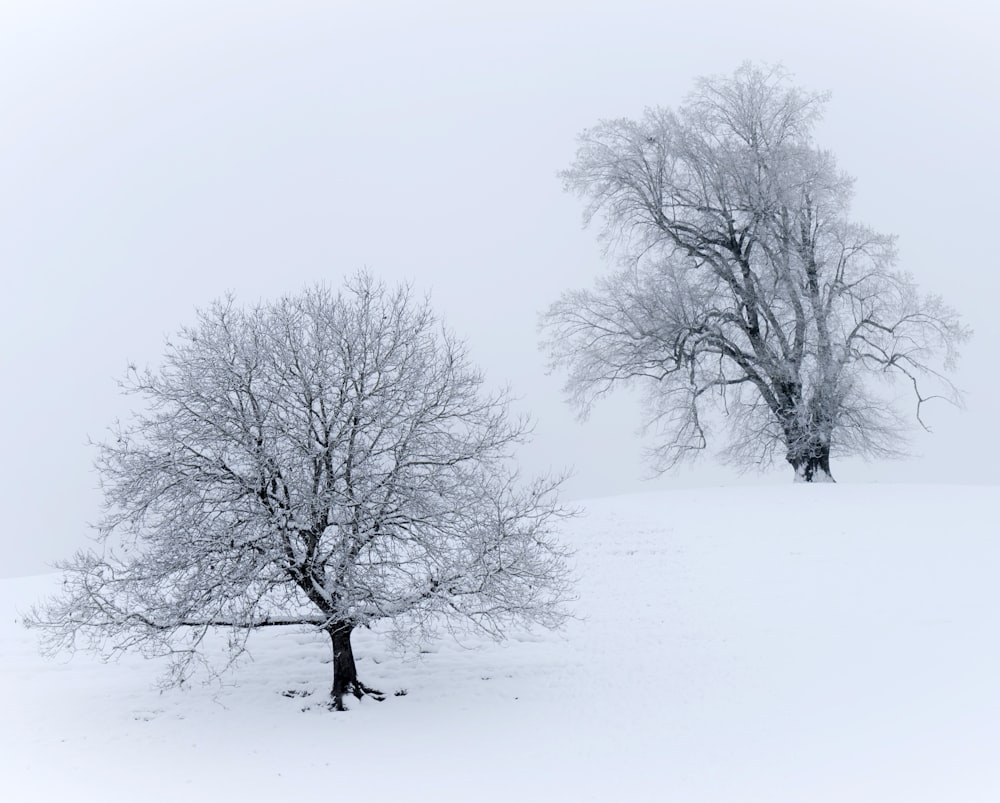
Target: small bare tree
{"points": [[745, 288], [326, 460]]}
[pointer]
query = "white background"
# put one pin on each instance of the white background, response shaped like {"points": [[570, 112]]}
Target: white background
{"points": [[154, 156]]}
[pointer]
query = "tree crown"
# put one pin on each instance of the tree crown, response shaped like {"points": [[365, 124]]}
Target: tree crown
{"points": [[330, 459]]}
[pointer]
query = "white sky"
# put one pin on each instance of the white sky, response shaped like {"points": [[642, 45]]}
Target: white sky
{"points": [[156, 155]]}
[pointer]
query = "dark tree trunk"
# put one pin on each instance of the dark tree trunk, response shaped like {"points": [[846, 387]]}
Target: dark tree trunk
{"points": [[345, 673], [814, 466]]}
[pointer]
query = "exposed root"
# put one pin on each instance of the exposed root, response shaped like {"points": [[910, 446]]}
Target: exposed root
{"points": [[359, 690]]}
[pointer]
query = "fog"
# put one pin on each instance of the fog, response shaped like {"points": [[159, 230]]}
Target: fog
{"points": [[156, 156]]}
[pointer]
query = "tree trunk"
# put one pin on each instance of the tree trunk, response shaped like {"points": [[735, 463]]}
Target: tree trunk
{"points": [[345, 673], [813, 466]]}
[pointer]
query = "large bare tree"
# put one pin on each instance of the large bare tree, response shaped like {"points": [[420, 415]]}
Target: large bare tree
{"points": [[746, 294], [328, 460]]}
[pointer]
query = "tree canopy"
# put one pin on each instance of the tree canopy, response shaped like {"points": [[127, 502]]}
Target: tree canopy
{"points": [[330, 460], [746, 293]]}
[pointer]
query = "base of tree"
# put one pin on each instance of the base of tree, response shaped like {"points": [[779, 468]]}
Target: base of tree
{"points": [[359, 690], [345, 672], [813, 468], [817, 474]]}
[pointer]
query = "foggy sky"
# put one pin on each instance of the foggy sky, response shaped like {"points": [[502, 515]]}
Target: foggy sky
{"points": [[154, 156]]}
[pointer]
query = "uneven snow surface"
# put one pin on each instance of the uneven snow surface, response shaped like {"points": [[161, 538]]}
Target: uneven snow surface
{"points": [[802, 643]]}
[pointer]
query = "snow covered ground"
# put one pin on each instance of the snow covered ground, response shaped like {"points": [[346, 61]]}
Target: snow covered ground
{"points": [[825, 643]]}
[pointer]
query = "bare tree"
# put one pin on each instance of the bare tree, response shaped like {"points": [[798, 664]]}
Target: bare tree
{"points": [[745, 288], [326, 460]]}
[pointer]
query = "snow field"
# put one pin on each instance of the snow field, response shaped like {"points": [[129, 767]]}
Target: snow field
{"points": [[827, 643]]}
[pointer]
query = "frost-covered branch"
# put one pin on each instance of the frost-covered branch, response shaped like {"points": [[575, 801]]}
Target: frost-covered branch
{"points": [[744, 276], [326, 460]]}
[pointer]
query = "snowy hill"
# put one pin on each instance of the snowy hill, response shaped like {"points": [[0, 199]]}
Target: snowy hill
{"points": [[828, 643]]}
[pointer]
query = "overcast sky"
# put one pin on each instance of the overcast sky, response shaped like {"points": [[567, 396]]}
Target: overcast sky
{"points": [[156, 155]]}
